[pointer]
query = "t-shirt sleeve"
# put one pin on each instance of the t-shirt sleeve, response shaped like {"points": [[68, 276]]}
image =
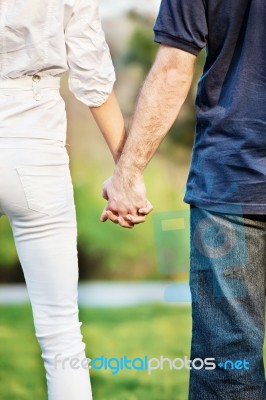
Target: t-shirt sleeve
{"points": [[182, 24], [91, 71]]}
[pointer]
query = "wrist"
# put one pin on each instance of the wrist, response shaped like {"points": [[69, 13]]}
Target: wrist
{"points": [[116, 157], [127, 171], [128, 165]]}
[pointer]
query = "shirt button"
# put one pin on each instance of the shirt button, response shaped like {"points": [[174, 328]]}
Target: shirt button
{"points": [[36, 78], [38, 96]]}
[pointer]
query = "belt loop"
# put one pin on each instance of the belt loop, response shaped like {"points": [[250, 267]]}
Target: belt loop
{"points": [[36, 87]]}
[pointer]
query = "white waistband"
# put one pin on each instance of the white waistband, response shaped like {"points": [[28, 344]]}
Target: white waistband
{"points": [[30, 142], [26, 82]]}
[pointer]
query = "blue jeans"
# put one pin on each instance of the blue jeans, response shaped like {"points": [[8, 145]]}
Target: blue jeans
{"points": [[227, 283]]}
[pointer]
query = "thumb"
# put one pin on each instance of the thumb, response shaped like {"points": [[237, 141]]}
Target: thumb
{"points": [[104, 216], [146, 210], [104, 193]]}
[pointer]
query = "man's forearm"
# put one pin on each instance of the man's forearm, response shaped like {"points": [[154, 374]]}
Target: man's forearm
{"points": [[161, 97], [111, 123], [160, 100]]}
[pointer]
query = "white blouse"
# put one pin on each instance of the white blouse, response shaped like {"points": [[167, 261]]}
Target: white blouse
{"points": [[53, 36]]}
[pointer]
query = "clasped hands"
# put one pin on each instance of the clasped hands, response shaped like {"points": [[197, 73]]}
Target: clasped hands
{"points": [[127, 204]]}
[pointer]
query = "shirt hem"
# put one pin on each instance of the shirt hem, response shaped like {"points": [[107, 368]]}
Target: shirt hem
{"points": [[227, 208]]}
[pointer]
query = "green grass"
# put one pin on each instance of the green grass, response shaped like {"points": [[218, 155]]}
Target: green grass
{"points": [[153, 330]]}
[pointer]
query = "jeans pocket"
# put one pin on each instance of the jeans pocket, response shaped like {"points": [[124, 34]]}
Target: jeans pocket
{"points": [[44, 187]]}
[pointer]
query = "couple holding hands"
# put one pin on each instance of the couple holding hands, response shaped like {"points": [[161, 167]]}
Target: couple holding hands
{"points": [[39, 41]]}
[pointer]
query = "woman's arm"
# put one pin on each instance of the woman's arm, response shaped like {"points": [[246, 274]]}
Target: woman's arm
{"points": [[110, 121], [91, 71]]}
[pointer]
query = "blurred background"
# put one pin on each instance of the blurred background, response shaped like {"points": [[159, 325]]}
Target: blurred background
{"points": [[134, 296], [105, 251]]}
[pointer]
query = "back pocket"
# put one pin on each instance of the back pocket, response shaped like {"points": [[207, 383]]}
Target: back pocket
{"points": [[44, 187]]}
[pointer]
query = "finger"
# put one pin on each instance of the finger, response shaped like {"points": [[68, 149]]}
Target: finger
{"points": [[146, 210], [104, 194], [122, 222], [135, 219], [112, 217], [104, 216]]}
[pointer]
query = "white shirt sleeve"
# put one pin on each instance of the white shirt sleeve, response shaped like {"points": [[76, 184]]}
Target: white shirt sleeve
{"points": [[91, 71]]}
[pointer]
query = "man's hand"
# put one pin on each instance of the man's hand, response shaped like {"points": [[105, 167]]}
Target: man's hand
{"points": [[127, 204]]}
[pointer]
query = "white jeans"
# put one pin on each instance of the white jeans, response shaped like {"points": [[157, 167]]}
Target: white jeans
{"points": [[36, 194]]}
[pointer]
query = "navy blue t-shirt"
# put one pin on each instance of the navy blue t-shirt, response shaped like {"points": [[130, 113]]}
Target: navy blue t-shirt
{"points": [[228, 166]]}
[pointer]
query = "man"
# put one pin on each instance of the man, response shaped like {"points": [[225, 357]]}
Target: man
{"points": [[226, 186]]}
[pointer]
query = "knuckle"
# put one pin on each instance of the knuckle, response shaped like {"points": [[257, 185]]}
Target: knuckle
{"points": [[123, 210], [112, 206]]}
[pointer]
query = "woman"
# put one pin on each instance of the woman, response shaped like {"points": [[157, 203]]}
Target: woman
{"points": [[39, 41]]}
